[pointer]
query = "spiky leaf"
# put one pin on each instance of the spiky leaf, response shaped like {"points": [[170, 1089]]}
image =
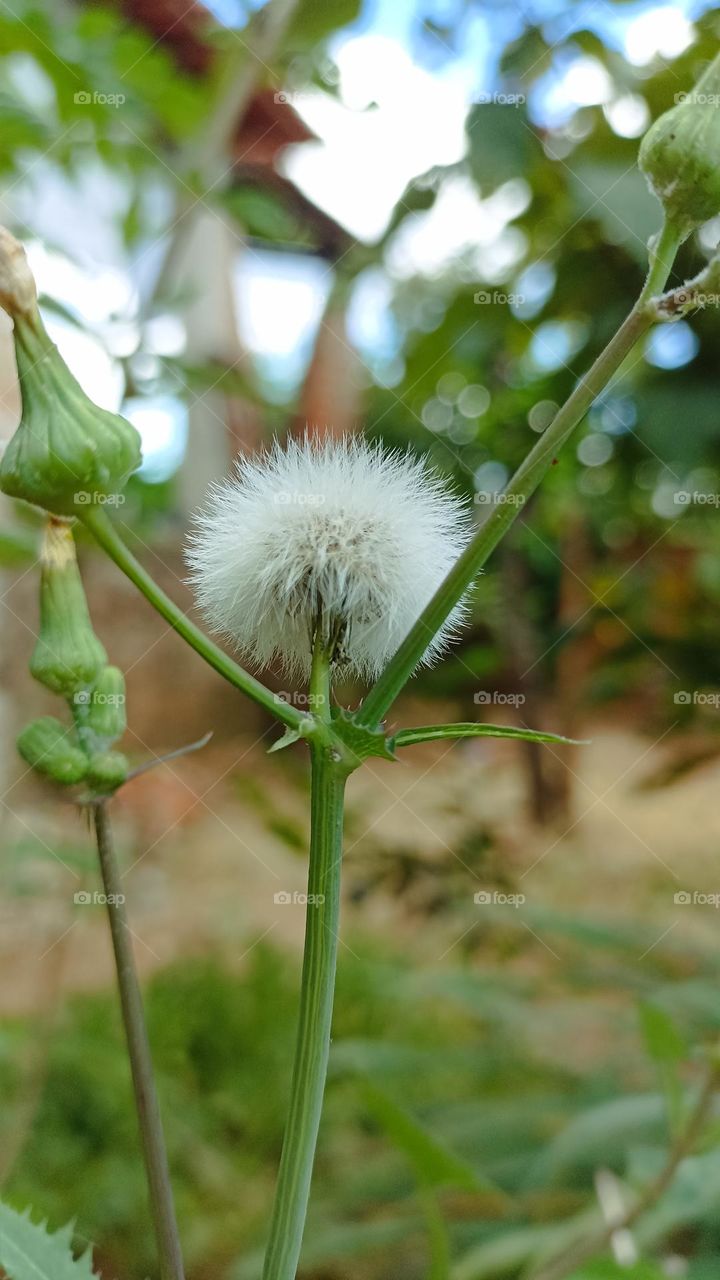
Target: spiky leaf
{"points": [[469, 729], [28, 1251], [360, 740]]}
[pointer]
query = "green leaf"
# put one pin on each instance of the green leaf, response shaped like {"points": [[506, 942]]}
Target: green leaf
{"points": [[600, 1135], [17, 548], [262, 214], [508, 1251], [29, 1252], [663, 1041], [667, 1048], [619, 198], [608, 1269], [433, 1164], [502, 144], [416, 198], [312, 22], [691, 1198], [363, 742], [289, 736], [469, 729]]}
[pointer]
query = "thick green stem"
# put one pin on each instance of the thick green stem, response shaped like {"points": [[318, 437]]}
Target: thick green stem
{"points": [[108, 538], [522, 485], [146, 1100], [316, 1001]]}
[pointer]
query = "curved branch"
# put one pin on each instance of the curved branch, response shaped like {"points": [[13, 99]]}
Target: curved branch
{"points": [[95, 519], [522, 485]]}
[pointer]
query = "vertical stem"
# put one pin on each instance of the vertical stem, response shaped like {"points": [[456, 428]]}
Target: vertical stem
{"points": [[146, 1101], [320, 678], [316, 998]]}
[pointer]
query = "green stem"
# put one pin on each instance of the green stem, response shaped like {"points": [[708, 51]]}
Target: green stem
{"points": [[146, 1100], [663, 248], [320, 679], [522, 485], [316, 1001], [108, 538]]}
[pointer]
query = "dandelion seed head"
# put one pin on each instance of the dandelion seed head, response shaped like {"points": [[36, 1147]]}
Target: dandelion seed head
{"points": [[340, 534]]}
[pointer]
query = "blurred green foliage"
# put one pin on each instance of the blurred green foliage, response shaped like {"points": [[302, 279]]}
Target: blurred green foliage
{"points": [[614, 566], [447, 1088], [458, 1141]]}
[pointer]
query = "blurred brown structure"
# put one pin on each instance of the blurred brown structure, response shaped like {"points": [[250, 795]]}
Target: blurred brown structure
{"points": [[203, 267]]}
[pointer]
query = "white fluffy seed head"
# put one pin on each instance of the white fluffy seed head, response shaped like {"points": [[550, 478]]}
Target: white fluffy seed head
{"points": [[336, 531]]}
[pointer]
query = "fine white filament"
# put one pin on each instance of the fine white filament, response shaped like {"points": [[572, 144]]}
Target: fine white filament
{"points": [[340, 534]]}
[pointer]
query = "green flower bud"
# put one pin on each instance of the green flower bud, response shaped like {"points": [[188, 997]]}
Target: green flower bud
{"points": [[680, 155], [66, 453], [107, 771], [101, 713], [50, 748], [68, 656]]}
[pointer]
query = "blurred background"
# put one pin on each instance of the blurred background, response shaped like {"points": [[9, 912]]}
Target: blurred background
{"points": [[421, 221]]}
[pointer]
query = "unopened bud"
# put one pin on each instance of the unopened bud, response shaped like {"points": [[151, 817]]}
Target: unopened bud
{"points": [[66, 452], [51, 748], [68, 655], [680, 155]]}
